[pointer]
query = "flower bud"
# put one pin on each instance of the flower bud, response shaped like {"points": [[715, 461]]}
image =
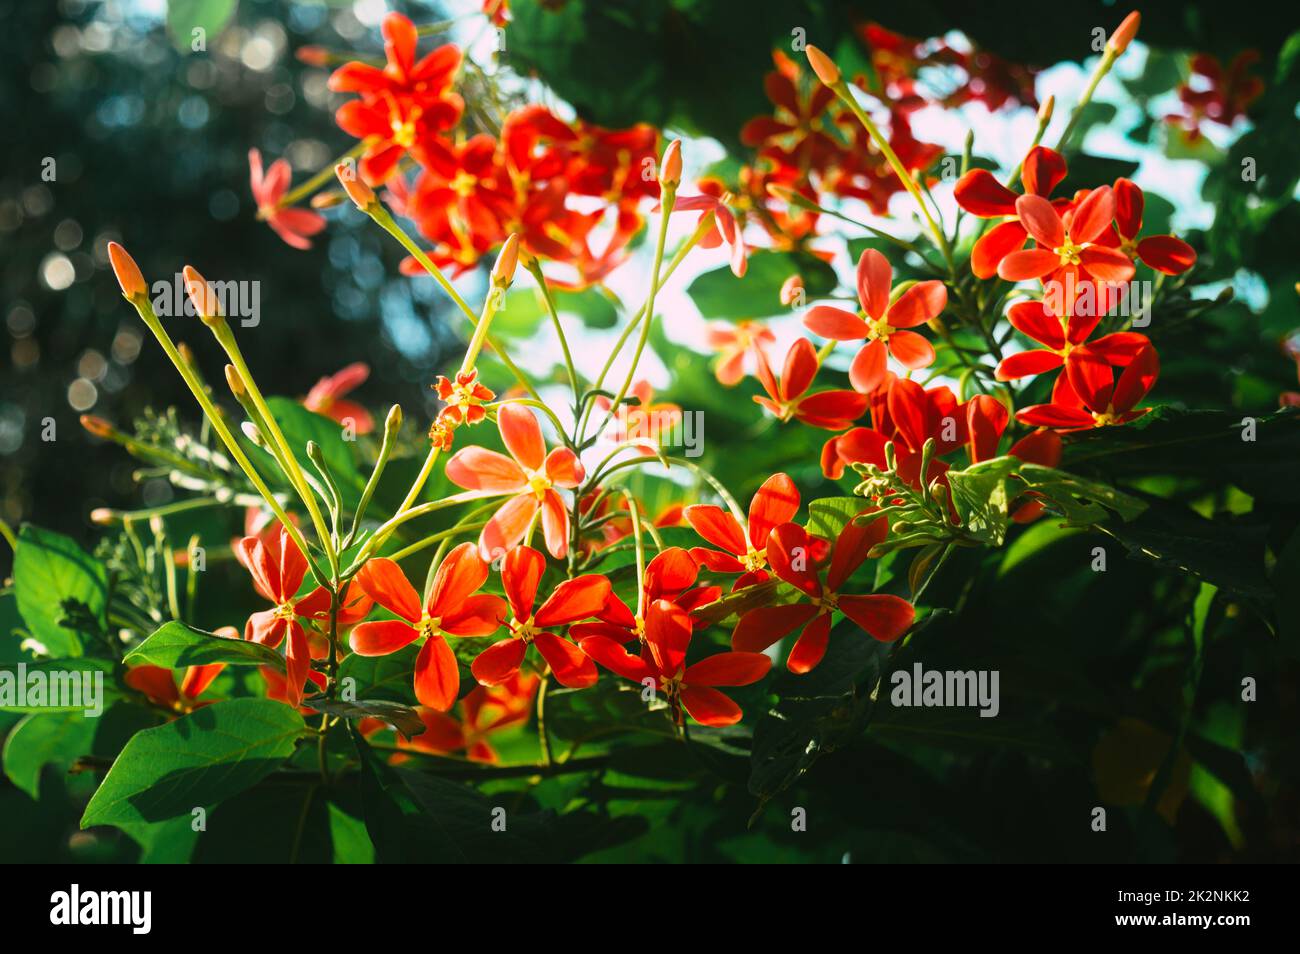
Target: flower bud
{"points": [[393, 422], [823, 66], [97, 426], [127, 272], [670, 170], [327, 200], [1045, 110], [1124, 33], [357, 191], [202, 296], [313, 55], [101, 516], [792, 290], [235, 382], [503, 272]]}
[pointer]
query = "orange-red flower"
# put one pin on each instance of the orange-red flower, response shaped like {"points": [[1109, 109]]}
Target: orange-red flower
{"points": [[404, 104], [485, 711], [661, 665], [733, 342], [159, 683], [726, 228], [744, 549], [462, 399], [644, 424], [1164, 253], [1087, 395], [278, 567], [885, 327], [529, 474], [572, 600], [452, 609], [326, 397], [293, 225], [789, 551], [787, 396], [1067, 248], [670, 576], [980, 194], [1035, 320]]}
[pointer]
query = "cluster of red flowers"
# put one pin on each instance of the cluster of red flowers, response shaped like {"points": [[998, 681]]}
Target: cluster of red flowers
{"points": [[1217, 94]]}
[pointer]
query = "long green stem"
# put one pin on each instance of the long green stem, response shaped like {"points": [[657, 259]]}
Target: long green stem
{"points": [[535, 268]]}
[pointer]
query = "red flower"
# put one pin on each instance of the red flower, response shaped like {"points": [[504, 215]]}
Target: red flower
{"points": [[670, 576], [775, 503], [572, 600], [1035, 320], [643, 425], [159, 683], [1164, 253], [885, 329], [733, 342], [1063, 248], [980, 194], [325, 397], [1223, 96], [278, 567], [1087, 395], [292, 225], [790, 548], [451, 610], [463, 399], [529, 474], [662, 665], [793, 136], [786, 397], [485, 711], [714, 198], [405, 104]]}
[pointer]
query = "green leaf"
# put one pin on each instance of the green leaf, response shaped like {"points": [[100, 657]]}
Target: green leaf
{"points": [[60, 682], [979, 494], [300, 426], [175, 646], [403, 718], [42, 739], [186, 16], [828, 516], [49, 570], [720, 294], [390, 677], [198, 760], [1082, 502]]}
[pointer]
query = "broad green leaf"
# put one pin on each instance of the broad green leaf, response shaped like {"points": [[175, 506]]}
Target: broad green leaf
{"points": [[300, 426], [1082, 501], [828, 516], [198, 760], [390, 677], [41, 739], [184, 17], [175, 645], [979, 494], [50, 569], [720, 294], [57, 685]]}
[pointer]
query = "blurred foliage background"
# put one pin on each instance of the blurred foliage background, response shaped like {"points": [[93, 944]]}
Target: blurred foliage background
{"points": [[149, 146]]}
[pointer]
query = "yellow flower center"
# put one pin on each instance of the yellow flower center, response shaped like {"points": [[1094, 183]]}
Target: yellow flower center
{"points": [[880, 328], [539, 483], [1105, 418], [524, 630], [404, 133], [827, 602], [754, 560], [638, 628], [463, 184], [284, 611], [429, 627], [1069, 252]]}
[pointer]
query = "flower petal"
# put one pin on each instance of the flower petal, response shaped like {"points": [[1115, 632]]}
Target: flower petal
{"points": [[437, 678], [995, 245], [461, 572], [381, 637], [874, 280], [920, 303], [760, 628], [507, 527], [571, 666], [1025, 363], [667, 634], [384, 582], [883, 616], [717, 526], [728, 669], [521, 573], [564, 468], [499, 661], [1027, 264], [579, 598], [869, 366], [911, 350], [810, 647], [776, 502], [1092, 216], [477, 468], [1034, 321], [1137, 379], [980, 193], [479, 615], [555, 524], [835, 323], [1166, 254], [616, 659], [522, 434], [1041, 221], [710, 707]]}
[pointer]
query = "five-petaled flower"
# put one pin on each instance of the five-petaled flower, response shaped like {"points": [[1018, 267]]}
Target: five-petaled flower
{"points": [[885, 326], [579, 598], [661, 666], [1086, 393], [529, 474], [1067, 247], [295, 226], [1060, 339], [787, 396], [744, 549], [790, 551], [980, 194], [1164, 253], [452, 609]]}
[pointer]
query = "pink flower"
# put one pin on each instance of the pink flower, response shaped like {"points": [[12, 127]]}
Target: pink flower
{"points": [[292, 225]]}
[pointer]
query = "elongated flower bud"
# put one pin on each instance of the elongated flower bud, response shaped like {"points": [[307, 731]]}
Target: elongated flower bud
{"points": [[357, 191], [203, 297], [393, 422], [235, 382], [503, 272], [1124, 33], [327, 200], [1045, 111], [823, 66], [127, 272], [102, 516], [97, 425], [670, 170]]}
